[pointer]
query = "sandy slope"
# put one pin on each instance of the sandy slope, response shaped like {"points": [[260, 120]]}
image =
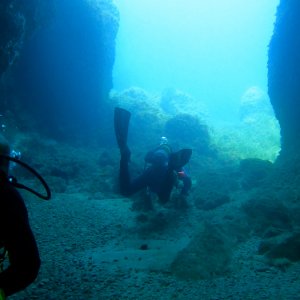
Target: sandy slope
{"points": [[91, 249]]}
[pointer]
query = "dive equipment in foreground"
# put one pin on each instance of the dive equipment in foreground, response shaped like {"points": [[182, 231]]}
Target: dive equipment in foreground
{"points": [[14, 182]]}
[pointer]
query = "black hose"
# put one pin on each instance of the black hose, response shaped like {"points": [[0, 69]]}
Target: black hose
{"points": [[14, 182]]}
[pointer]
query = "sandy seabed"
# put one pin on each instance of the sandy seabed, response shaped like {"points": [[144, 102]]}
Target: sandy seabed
{"points": [[91, 249]]}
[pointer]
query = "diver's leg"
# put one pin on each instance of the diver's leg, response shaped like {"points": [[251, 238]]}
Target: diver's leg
{"points": [[121, 125], [128, 187], [166, 187], [124, 175], [138, 183]]}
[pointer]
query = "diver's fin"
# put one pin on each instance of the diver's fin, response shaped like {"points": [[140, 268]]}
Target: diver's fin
{"points": [[121, 123], [180, 158]]}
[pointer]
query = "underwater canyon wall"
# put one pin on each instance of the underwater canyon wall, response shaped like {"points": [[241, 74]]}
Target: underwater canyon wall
{"points": [[284, 75], [62, 71], [18, 19]]}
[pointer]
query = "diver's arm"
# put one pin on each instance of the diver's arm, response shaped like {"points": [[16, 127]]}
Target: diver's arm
{"points": [[20, 243]]}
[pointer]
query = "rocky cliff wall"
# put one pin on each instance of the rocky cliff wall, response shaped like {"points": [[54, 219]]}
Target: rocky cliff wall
{"points": [[60, 74], [284, 75]]}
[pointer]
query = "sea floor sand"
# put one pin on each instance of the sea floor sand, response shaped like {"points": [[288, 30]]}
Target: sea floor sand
{"points": [[93, 249]]}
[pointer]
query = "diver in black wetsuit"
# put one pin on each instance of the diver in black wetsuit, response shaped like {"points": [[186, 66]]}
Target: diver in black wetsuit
{"points": [[16, 236], [164, 165]]}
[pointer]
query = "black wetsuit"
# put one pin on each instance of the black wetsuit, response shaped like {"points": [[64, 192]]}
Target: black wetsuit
{"points": [[159, 177], [17, 238]]}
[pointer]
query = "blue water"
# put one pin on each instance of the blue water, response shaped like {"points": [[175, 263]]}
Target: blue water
{"points": [[214, 50]]}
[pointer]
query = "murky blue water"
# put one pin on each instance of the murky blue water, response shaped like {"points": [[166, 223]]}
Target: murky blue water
{"points": [[215, 50]]}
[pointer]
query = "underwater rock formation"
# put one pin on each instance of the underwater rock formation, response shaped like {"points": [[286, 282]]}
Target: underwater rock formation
{"points": [[281, 251], [174, 102], [208, 255], [284, 75], [64, 71], [278, 214], [266, 213], [190, 131], [212, 200], [147, 119], [254, 103], [18, 20], [10, 32], [253, 172]]}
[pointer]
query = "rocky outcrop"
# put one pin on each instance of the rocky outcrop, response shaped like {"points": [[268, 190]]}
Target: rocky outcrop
{"points": [[18, 20], [208, 255], [284, 75], [190, 131], [63, 73]]}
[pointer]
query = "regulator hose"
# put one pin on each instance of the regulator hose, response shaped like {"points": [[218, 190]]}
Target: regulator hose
{"points": [[14, 182]]}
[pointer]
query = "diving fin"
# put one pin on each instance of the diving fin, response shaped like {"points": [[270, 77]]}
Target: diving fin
{"points": [[121, 123], [180, 158]]}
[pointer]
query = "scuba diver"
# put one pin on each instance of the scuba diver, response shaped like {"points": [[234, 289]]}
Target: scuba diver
{"points": [[17, 242], [163, 166]]}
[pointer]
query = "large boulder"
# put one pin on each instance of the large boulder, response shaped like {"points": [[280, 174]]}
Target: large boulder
{"points": [[189, 131], [147, 119], [281, 250], [208, 255]]}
